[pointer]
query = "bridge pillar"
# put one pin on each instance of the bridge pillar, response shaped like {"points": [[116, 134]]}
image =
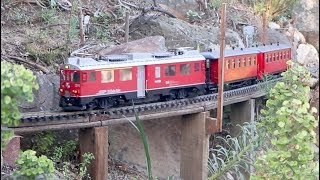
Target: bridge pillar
{"points": [[240, 113], [194, 146], [95, 140]]}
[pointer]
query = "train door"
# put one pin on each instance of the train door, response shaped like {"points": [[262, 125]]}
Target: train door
{"points": [[208, 79], [141, 82]]}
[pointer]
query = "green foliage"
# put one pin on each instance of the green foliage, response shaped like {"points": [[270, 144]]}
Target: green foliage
{"points": [[43, 142], [215, 4], [73, 31], [66, 171], [193, 15], [277, 7], [65, 151], [144, 139], [86, 160], [32, 166], [46, 55], [235, 154], [259, 7], [100, 26], [17, 84], [83, 167], [48, 15], [289, 123]]}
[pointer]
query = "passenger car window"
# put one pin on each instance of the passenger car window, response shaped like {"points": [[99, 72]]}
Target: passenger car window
{"points": [[170, 70], [75, 77], [107, 76], [185, 69], [125, 74], [92, 76]]}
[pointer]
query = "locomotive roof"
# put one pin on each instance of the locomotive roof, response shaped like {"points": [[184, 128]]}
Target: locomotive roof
{"points": [[239, 51], [133, 59]]}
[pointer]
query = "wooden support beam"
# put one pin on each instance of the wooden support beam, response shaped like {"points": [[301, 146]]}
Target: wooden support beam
{"points": [[194, 147], [221, 67], [211, 126], [95, 140]]}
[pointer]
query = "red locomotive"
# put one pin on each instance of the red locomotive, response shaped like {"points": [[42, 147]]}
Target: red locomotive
{"points": [[105, 81]]}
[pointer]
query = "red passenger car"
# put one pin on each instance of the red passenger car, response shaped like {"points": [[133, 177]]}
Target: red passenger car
{"points": [[273, 59]]}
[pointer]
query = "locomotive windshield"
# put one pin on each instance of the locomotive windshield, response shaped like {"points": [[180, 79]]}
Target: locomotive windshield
{"points": [[75, 77]]}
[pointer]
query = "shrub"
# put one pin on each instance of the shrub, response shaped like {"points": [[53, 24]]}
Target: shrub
{"points": [[17, 84], [289, 123], [32, 166]]}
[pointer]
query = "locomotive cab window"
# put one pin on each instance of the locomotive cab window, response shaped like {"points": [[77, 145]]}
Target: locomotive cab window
{"points": [[125, 74], [75, 77], [92, 76], [196, 67], [107, 76], [170, 70], [185, 69]]}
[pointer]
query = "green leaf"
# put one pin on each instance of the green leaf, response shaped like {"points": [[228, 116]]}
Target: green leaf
{"points": [[281, 124], [7, 99]]}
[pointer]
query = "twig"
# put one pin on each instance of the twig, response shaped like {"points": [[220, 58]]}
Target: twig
{"points": [[52, 25], [43, 69], [127, 27]]}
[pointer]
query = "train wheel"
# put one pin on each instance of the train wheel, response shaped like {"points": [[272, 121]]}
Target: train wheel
{"points": [[103, 103], [92, 105], [182, 93]]}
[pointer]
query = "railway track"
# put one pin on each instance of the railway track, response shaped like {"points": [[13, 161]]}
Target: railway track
{"points": [[208, 101]]}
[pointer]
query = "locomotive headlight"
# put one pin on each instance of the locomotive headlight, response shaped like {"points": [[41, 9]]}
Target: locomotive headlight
{"points": [[66, 66], [61, 90]]}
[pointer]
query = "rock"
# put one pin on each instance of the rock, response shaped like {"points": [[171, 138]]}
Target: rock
{"points": [[307, 20], [312, 82], [273, 25], [47, 97], [312, 37], [178, 33], [274, 36], [148, 44], [298, 36], [307, 55], [307, 15]]}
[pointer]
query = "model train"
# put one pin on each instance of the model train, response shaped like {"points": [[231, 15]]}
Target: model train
{"points": [[106, 81]]}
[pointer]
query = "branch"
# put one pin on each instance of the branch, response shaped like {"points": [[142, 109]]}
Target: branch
{"points": [[19, 59], [153, 8]]}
